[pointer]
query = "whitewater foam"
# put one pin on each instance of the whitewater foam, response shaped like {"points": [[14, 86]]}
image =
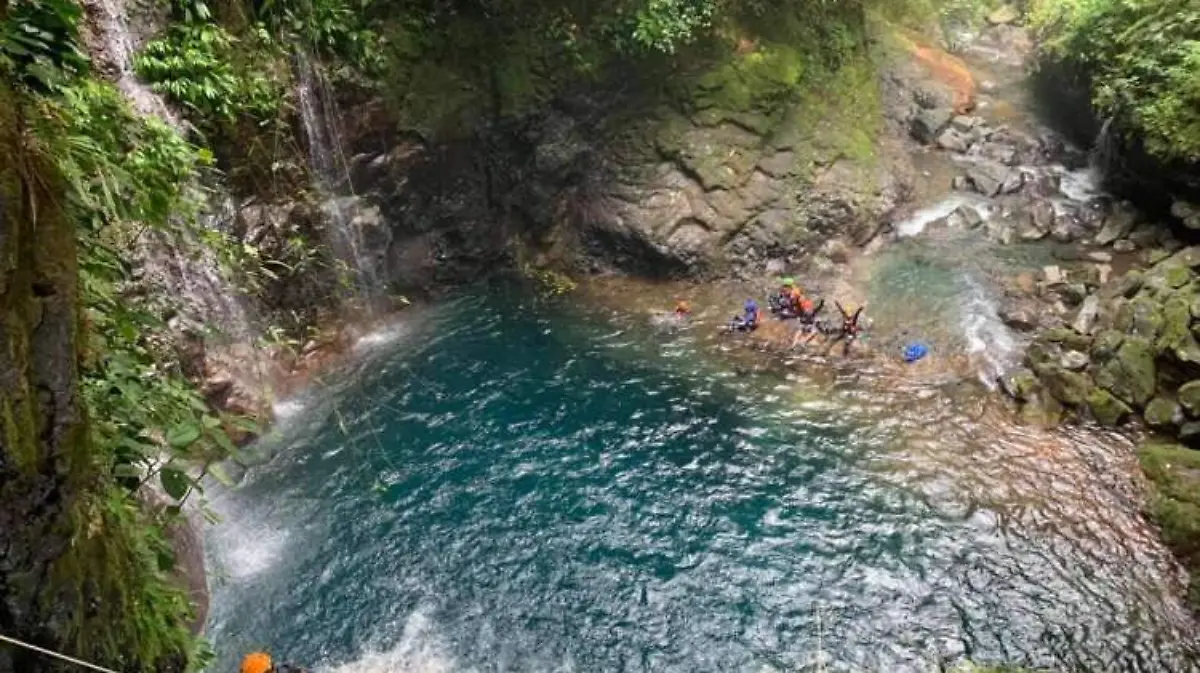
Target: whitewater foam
{"points": [[989, 341], [916, 223], [421, 649]]}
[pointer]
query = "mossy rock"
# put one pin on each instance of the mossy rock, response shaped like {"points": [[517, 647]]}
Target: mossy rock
{"points": [[1189, 397], [1106, 344], [1162, 412], [1069, 338], [1070, 388], [1022, 385], [1177, 339], [1107, 409], [1174, 471], [1145, 318], [1167, 276], [1132, 374], [1130, 284]]}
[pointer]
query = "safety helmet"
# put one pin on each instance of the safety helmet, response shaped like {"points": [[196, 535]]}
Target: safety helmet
{"points": [[256, 662], [787, 282]]}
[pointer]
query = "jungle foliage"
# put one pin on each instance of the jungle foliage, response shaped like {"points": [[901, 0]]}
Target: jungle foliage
{"points": [[1141, 58]]}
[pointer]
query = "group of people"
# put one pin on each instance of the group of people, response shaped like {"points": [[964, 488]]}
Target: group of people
{"points": [[790, 303]]}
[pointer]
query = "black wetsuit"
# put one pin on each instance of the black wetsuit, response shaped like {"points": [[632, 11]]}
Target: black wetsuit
{"points": [[850, 329]]}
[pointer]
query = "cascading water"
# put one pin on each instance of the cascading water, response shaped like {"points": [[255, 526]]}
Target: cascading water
{"points": [[330, 172], [989, 342], [120, 46], [185, 267]]}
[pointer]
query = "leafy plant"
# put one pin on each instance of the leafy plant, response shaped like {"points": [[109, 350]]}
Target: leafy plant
{"points": [[1141, 57]]}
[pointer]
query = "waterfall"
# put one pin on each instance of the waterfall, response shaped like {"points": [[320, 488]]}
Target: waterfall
{"points": [[330, 172], [1106, 152], [186, 269], [113, 28]]}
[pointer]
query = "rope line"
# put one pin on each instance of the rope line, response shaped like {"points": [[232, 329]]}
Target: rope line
{"points": [[42, 650]]}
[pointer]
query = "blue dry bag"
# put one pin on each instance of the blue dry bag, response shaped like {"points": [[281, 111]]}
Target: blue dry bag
{"points": [[915, 351]]}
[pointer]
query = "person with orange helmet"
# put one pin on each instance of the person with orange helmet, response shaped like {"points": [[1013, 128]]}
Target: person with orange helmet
{"points": [[260, 662]]}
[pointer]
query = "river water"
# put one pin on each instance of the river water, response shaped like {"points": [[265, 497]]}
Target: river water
{"points": [[511, 483]]}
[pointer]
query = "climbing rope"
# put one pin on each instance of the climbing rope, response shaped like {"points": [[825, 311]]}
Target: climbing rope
{"points": [[51, 653]]}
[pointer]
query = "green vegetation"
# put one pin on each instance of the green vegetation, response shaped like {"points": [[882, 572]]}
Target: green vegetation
{"points": [[96, 179], [1175, 473], [1141, 58]]}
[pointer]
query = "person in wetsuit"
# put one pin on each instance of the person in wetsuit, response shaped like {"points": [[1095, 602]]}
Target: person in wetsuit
{"points": [[782, 303], [808, 326], [748, 321], [850, 328]]}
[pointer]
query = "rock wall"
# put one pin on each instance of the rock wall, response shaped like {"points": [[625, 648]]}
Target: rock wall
{"points": [[692, 185], [41, 421]]}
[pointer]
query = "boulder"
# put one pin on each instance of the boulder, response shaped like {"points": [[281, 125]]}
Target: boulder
{"points": [[1163, 412], [1073, 294], [1189, 433], [1029, 231], [954, 141], [1145, 318], [1067, 230], [1003, 15], [965, 123], [1013, 182], [1189, 397], [960, 183], [927, 125], [1117, 225], [1177, 339], [987, 179], [1130, 284], [1085, 320], [1105, 345], [1067, 337], [1053, 275], [1131, 374], [1107, 409], [1001, 231], [1188, 257], [1074, 361], [1019, 316], [1188, 214], [969, 216], [1041, 215], [1020, 385], [1071, 388], [1124, 245], [1099, 256]]}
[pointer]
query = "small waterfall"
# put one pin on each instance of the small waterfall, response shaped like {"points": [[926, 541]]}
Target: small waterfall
{"points": [[989, 341], [330, 172], [113, 29], [183, 266]]}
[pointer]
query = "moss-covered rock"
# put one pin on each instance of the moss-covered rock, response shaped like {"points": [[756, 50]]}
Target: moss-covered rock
{"points": [[1132, 374], [1162, 412], [1021, 385], [1068, 338], [1175, 506], [1106, 408], [1105, 346], [1189, 397], [1070, 388], [1141, 316], [1177, 340]]}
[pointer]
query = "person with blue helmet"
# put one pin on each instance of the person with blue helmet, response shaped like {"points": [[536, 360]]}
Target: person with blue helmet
{"points": [[748, 321]]}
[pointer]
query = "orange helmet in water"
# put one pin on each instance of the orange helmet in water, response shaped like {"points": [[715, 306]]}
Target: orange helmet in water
{"points": [[256, 662]]}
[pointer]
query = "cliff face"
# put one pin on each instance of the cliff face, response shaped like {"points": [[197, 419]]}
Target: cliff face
{"points": [[42, 441]]}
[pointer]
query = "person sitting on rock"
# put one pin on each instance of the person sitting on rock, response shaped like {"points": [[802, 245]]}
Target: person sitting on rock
{"points": [[809, 326], [850, 328], [785, 303], [260, 662], [748, 321]]}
